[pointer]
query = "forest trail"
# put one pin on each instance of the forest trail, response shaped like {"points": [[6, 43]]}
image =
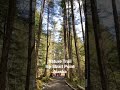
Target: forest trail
{"points": [[57, 84]]}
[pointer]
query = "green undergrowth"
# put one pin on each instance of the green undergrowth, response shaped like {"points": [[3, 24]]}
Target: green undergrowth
{"points": [[45, 79], [40, 82]]}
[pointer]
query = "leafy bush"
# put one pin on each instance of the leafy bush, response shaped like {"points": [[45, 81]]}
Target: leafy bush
{"points": [[45, 79], [39, 85]]}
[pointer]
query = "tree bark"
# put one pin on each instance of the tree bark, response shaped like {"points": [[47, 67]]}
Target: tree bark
{"points": [[7, 43], [46, 62], [70, 41], [86, 47], [30, 48], [117, 28], [95, 20], [65, 32]]}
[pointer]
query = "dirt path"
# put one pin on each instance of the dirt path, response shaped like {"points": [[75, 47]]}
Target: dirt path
{"points": [[57, 84]]}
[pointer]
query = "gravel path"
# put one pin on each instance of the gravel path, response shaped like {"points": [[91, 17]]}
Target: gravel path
{"points": [[57, 84]]}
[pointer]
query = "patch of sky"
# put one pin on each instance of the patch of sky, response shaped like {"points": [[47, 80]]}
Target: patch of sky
{"points": [[56, 17]]}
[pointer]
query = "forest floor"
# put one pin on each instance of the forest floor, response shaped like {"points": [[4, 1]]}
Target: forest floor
{"points": [[56, 84]]}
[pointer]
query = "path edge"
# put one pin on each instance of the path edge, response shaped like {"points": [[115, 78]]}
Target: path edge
{"points": [[70, 85]]}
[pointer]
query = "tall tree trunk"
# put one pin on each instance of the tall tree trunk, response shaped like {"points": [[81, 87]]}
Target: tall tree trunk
{"points": [[69, 34], [65, 32], [46, 62], [30, 48], [95, 20], [39, 33], [75, 40], [86, 47], [6, 43], [70, 41], [83, 34], [68, 19], [81, 20], [117, 28]]}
